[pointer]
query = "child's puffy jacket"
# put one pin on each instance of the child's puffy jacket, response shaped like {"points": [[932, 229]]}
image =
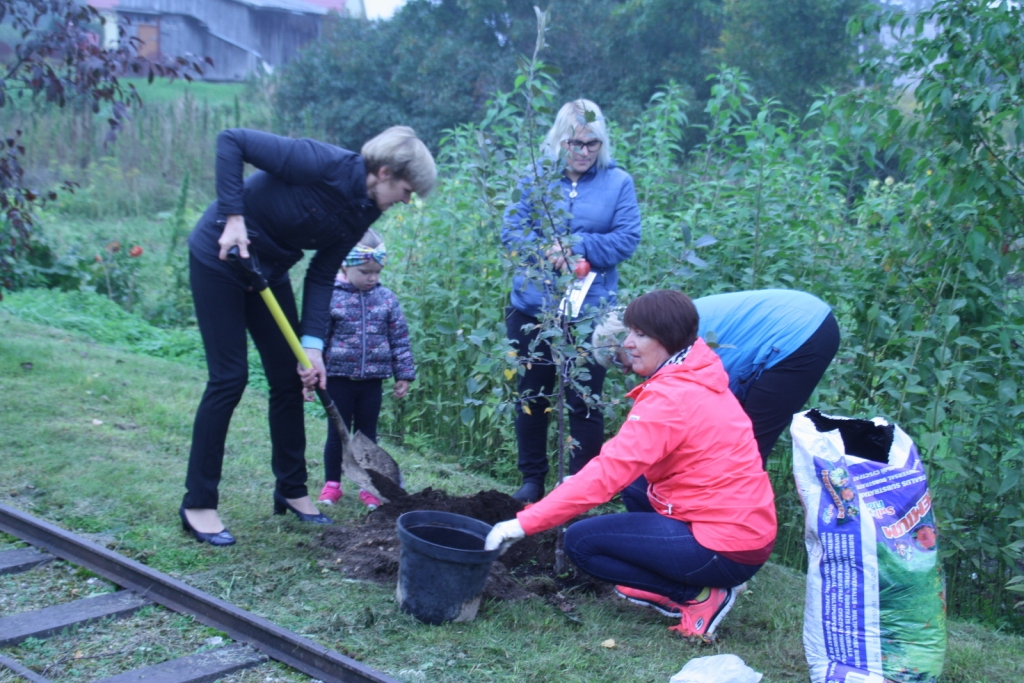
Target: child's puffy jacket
{"points": [[367, 336]]}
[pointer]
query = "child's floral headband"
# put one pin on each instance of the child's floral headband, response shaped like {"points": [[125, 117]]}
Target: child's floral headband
{"points": [[361, 255]]}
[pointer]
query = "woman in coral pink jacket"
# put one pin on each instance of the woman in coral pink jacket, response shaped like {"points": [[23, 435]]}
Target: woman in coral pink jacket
{"points": [[708, 521]]}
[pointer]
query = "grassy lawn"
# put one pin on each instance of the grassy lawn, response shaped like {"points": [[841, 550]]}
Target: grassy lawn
{"points": [[162, 91], [119, 482]]}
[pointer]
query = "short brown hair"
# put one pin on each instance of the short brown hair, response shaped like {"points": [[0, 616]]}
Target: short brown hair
{"points": [[667, 316]]}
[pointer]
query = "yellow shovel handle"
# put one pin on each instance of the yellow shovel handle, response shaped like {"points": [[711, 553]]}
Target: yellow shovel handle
{"points": [[286, 327]]}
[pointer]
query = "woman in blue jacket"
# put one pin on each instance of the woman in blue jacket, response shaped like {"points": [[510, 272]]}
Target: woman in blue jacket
{"points": [[603, 228], [776, 345], [304, 195]]}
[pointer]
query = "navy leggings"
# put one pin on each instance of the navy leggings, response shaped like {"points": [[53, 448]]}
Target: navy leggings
{"points": [[359, 403], [646, 550]]}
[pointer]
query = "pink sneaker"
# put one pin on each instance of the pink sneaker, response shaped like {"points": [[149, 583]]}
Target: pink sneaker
{"points": [[701, 618], [666, 606], [371, 501], [331, 493]]}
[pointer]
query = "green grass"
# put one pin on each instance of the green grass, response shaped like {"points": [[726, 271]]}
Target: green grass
{"points": [[162, 91], [120, 482]]}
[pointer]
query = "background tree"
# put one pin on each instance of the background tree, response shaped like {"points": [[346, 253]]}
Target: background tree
{"points": [[436, 64], [963, 64], [790, 50], [644, 44], [431, 66], [58, 60]]}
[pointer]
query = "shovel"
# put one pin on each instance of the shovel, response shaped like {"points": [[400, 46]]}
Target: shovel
{"points": [[362, 461]]}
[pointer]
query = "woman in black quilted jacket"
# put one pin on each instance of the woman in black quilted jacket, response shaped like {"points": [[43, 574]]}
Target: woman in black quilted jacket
{"points": [[304, 195]]}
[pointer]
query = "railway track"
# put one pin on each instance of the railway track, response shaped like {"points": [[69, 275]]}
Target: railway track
{"points": [[256, 639]]}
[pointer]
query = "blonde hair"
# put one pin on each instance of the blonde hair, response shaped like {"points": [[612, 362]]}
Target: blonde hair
{"points": [[571, 116], [371, 239], [399, 149]]}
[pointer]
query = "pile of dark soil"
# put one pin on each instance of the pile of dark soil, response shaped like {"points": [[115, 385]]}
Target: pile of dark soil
{"points": [[369, 551]]}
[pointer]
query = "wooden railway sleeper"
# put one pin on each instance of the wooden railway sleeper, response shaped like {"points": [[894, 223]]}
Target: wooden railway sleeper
{"points": [[146, 586]]}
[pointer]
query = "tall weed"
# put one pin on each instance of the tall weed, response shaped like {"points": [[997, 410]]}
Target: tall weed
{"points": [[141, 173]]}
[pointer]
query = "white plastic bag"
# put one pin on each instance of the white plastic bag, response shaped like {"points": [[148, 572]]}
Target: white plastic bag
{"points": [[875, 607], [716, 669]]}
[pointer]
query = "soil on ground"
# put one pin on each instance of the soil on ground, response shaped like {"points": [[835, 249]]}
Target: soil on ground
{"points": [[370, 551]]}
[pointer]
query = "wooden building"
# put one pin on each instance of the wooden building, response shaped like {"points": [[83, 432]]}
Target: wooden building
{"points": [[240, 36]]}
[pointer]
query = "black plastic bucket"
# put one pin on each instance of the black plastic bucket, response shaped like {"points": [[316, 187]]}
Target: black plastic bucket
{"points": [[443, 565]]}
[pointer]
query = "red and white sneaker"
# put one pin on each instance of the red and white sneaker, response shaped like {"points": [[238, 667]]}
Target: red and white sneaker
{"points": [[331, 493], [666, 606], [371, 501], [700, 619]]}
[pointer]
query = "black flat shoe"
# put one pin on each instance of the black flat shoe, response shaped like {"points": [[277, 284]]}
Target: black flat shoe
{"points": [[281, 505], [529, 492], [220, 538]]}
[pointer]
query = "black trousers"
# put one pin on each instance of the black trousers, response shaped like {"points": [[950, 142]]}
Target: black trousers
{"points": [[783, 389], [586, 425], [359, 403], [225, 311]]}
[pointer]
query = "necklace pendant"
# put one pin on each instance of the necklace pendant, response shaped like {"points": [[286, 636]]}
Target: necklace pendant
{"points": [[572, 192]]}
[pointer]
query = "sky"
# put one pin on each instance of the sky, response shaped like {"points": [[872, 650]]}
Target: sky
{"points": [[381, 9]]}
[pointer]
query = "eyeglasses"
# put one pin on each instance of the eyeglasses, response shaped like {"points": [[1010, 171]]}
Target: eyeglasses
{"points": [[578, 145]]}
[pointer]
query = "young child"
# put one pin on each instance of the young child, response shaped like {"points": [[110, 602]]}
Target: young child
{"points": [[367, 342]]}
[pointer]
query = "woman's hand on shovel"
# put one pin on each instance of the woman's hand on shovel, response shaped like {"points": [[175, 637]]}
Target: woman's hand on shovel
{"points": [[234, 235], [314, 376]]}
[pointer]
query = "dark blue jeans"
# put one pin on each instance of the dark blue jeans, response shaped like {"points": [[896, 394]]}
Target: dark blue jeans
{"points": [[646, 550]]}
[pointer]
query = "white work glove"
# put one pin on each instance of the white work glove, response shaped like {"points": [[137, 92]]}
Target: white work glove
{"points": [[504, 534]]}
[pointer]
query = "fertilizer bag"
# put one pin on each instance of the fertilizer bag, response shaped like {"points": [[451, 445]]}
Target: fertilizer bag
{"points": [[876, 608]]}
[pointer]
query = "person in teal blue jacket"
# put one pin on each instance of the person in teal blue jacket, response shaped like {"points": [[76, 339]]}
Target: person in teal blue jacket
{"points": [[775, 345]]}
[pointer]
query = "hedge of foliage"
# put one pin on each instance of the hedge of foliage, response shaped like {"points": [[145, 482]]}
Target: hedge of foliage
{"points": [[906, 223]]}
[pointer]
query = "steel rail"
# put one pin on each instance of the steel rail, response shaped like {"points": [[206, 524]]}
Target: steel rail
{"points": [[23, 671], [276, 642]]}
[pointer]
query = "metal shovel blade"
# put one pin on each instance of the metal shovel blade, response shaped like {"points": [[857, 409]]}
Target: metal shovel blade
{"points": [[380, 468]]}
